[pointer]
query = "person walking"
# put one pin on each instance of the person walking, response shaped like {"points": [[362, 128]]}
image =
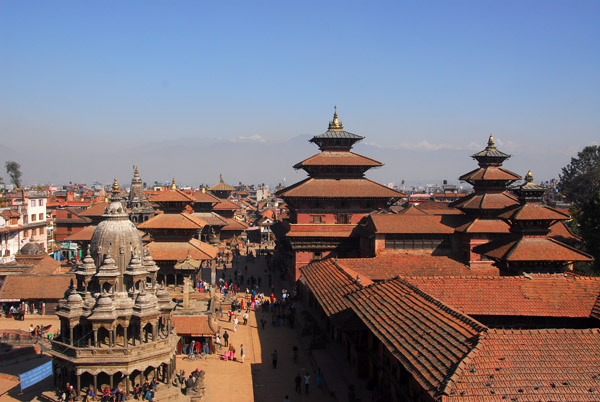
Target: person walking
{"points": [[242, 352], [306, 382], [226, 338], [298, 381], [235, 324], [274, 355], [246, 316]]}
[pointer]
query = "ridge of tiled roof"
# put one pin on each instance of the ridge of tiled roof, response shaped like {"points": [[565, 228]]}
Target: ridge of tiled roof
{"points": [[410, 224], [337, 134], [329, 283], [478, 225], [234, 224], [95, 210], [533, 211], [531, 249], [178, 251], [547, 295], [226, 205], [489, 200], [490, 173], [173, 221], [389, 265], [200, 196], [437, 208], [171, 195], [529, 365], [428, 338], [338, 158], [339, 188]]}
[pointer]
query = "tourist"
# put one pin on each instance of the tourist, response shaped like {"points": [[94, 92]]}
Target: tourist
{"points": [[306, 382], [137, 390], [298, 381], [235, 324], [242, 352], [226, 338], [274, 355], [245, 317]]}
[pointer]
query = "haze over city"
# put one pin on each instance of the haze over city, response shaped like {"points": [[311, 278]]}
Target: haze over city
{"points": [[194, 89]]}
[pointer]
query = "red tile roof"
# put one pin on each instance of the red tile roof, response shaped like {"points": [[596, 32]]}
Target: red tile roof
{"points": [[35, 287], [173, 221], [211, 218], [530, 365], [342, 188], [482, 225], [84, 234], [530, 249], [490, 173], [389, 265], [437, 208], [95, 210], [559, 231], [493, 201], [338, 158], [428, 338], [226, 205], [172, 196], [548, 295], [234, 224], [410, 224], [329, 282], [199, 196], [178, 251], [193, 325], [531, 211], [320, 230]]}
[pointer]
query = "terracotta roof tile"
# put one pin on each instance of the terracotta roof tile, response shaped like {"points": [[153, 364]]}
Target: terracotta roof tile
{"points": [[389, 265], [172, 196], [428, 338], [173, 221], [437, 208], [41, 264], [481, 225], [95, 210], [532, 211], [490, 173], [193, 325], [530, 249], [342, 188], [84, 234], [32, 287], [320, 230], [178, 251], [548, 295], [226, 205], [211, 218], [410, 224], [199, 196], [234, 224], [493, 201], [329, 283], [530, 365], [338, 158]]}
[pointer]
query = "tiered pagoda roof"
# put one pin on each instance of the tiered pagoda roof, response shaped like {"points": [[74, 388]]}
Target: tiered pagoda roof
{"points": [[489, 183], [529, 247]]}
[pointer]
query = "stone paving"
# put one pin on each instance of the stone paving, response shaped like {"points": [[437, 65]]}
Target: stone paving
{"points": [[253, 380]]}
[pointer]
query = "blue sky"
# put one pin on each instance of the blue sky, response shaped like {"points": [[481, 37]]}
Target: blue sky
{"points": [[79, 79]]}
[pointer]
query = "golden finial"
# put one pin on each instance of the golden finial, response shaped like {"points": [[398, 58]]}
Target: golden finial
{"points": [[137, 171], [529, 177], [173, 186], [115, 187], [335, 125], [491, 141]]}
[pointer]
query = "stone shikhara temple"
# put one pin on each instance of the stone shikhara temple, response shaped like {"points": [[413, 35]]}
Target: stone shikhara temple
{"points": [[115, 321]]}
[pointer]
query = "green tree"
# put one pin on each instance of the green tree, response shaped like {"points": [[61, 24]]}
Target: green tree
{"points": [[580, 183], [14, 171], [580, 179]]}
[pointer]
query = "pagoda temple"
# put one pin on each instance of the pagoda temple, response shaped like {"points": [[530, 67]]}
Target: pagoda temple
{"points": [[115, 322], [529, 249], [482, 206], [175, 236], [326, 207]]}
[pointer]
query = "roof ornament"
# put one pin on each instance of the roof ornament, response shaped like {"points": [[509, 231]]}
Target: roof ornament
{"points": [[529, 177], [335, 125], [491, 144], [115, 187], [173, 186], [221, 178], [136, 171]]}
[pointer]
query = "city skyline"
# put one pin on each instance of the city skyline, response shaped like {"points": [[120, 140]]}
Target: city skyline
{"points": [[196, 90]]}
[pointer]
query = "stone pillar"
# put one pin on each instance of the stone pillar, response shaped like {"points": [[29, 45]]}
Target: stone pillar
{"points": [[111, 381], [125, 338], [95, 338], [154, 332], [71, 335], [127, 384], [96, 383], [78, 384]]}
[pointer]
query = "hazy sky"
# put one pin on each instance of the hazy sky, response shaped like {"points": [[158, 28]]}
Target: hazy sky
{"points": [[87, 89]]}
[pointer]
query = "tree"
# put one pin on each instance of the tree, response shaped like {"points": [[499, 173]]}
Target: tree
{"points": [[580, 183], [580, 179], [14, 171]]}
